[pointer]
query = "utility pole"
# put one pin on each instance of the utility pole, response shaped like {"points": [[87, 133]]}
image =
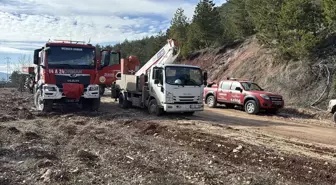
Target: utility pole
{"points": [[7, 58]]}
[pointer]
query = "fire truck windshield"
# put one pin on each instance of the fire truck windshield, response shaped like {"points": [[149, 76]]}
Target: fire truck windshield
{"points": [[74, 57]]}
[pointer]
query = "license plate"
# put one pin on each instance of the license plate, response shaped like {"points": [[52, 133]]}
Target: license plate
{"points": [[277, 103], [71, 101]]}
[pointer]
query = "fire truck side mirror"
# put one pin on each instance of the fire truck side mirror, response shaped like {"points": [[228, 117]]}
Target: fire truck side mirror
{"points": [[36, 56]]}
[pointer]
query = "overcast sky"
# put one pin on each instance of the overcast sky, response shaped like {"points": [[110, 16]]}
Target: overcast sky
{"points": [[28, 24]]}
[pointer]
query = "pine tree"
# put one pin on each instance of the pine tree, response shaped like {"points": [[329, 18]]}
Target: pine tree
{"points": [[300, 21], [329, 7], [178, 30], [207, 19], [265, 15], [236, 20]]}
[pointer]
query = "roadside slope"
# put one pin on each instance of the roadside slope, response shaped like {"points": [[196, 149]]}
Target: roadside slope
{"points": [[300, 83]]}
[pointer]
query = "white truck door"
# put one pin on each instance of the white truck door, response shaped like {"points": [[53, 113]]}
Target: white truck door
{"points": [[156, 84]]}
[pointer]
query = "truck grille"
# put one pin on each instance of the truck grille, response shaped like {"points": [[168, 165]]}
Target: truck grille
{"points": [[186, 96], [61, 90], [186, 99], [275, 98]]}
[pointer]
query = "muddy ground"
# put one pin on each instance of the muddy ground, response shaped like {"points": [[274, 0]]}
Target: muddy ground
{"points": [[115, 146]]}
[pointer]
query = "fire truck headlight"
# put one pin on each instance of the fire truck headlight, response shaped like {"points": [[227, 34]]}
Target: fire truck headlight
{"points": [[94, 88], [49, 88]]}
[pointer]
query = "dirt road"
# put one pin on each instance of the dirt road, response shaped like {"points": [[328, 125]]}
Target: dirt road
{"points": [[115, 146], [286, 128]]}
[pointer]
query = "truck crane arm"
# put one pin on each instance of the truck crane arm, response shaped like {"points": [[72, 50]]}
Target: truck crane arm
{"points": [[166, 55]]}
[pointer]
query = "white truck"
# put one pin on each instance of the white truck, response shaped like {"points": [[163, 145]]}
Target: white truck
{"points": [[161, 86], [332, 109]]}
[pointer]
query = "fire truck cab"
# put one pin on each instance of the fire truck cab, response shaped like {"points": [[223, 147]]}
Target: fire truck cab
{"points": [[66, 72], [109, 69]]}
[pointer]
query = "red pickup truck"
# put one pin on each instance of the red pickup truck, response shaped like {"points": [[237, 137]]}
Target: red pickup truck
{"points": [[243, 93]]}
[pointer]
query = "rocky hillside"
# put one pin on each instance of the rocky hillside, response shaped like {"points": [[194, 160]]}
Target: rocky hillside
{"points": [[301, 83]]}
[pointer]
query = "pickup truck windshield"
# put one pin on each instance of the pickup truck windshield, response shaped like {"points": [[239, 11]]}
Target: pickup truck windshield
{"points": [[71, 57], [251, 86], [187, 76]]}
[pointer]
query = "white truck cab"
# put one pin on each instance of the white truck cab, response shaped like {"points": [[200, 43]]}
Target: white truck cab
{"points": [[179, 88], [162, 86], [332, 109]]}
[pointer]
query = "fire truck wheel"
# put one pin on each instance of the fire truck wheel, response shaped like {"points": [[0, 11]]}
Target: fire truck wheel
{"points": [[95, 104], [154, 109], [42, 105]]}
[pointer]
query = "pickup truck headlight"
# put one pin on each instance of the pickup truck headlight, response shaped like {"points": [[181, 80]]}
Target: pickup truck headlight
{"points": [[94, 88], [265, 97]]}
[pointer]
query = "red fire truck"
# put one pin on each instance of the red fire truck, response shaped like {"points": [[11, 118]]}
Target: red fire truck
{"points": [[66, 71], [109, 69]]}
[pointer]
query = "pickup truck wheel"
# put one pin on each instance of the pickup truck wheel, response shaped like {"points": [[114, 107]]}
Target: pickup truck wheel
{"points": [[211, 101], [334, 117], [251, 107], [154, 109]]}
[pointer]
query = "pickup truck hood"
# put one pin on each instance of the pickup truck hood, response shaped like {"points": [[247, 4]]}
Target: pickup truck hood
{"points": [[265, 92]]}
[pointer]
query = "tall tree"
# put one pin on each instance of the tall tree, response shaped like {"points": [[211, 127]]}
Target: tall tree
{"points": [[265, 15], [300, 22], [236, 20], [15, 79], [329, 7], [194, 41], [207, 19], [178, 30]]}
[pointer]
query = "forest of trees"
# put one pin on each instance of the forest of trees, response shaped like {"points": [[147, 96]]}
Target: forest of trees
{"points": [[296, 28]]}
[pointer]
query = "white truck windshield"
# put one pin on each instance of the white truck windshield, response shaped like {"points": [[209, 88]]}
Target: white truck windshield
{"points": [[187, 76], [71, 57]]}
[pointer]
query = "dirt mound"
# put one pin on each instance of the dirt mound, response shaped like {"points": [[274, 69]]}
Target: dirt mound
{"points": [[5, 118], [146, 127], [15, 105], [298, 81], [87, 156]]}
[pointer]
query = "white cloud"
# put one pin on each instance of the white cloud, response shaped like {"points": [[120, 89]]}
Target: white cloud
{"points": [[25, 22], [97, 7], [5, 49]]}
